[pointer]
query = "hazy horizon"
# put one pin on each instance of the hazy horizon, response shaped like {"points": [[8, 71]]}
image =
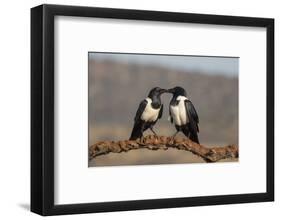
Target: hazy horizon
{"points": [[210, 65]]}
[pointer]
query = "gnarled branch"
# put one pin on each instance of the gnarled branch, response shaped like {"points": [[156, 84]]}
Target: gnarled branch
{"points": [[152, 142]]}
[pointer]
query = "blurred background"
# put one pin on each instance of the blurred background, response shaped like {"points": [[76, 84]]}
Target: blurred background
{"points": [[119, 82]]}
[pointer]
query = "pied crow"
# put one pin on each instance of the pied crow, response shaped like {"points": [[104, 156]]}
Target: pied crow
{"points": [[183, 114], [149, 111]]}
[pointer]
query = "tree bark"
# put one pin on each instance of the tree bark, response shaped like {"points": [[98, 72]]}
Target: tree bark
{"points": [[152, 142]]}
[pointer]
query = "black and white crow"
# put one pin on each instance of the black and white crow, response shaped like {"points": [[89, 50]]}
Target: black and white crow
{"points": [[149, 111], [183, 114]]}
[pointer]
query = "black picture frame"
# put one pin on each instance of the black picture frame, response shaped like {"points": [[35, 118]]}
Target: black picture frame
{"points": [[42, 109]]}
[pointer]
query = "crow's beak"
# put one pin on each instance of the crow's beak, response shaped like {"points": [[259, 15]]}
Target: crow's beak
{"points": [[163, 91], [170, 90]]}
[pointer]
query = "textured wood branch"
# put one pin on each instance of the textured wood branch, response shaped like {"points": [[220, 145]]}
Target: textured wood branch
{"points": [[151, 142]]}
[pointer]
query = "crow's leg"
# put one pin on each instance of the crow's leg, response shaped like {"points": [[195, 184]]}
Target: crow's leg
{"points": [[142, 130], [151, 128], [178, 130], [174, 135]]}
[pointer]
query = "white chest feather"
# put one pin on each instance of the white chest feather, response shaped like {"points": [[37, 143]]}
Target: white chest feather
{"points": [[178, 112], [150, 114]]}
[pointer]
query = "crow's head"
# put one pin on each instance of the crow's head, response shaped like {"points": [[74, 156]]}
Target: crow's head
{"points": [[177, 91], [157, 91]]}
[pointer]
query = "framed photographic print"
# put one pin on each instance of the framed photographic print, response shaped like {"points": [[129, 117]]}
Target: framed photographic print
{"points": [[136, 109]]}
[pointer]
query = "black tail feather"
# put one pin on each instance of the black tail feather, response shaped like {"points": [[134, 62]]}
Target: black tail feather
{"points": [[136, 132], [185, 130], [189, 134], [194, 137]]}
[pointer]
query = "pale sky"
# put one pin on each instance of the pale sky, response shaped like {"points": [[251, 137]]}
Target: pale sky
{"points": [[228, 66]]}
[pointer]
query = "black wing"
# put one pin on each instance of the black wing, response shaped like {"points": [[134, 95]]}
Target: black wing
{"points": [[193, 120], [193, 114], [160, 112], [140, 110], [171, 118], [138, 128]]}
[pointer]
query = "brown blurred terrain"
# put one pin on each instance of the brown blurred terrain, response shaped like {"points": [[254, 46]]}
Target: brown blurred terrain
{"points": [[116, 89]]}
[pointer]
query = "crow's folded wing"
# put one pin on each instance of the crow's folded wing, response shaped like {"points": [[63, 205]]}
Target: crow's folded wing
{"points": [[160, 112], [192, 115], [140, 110]]}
